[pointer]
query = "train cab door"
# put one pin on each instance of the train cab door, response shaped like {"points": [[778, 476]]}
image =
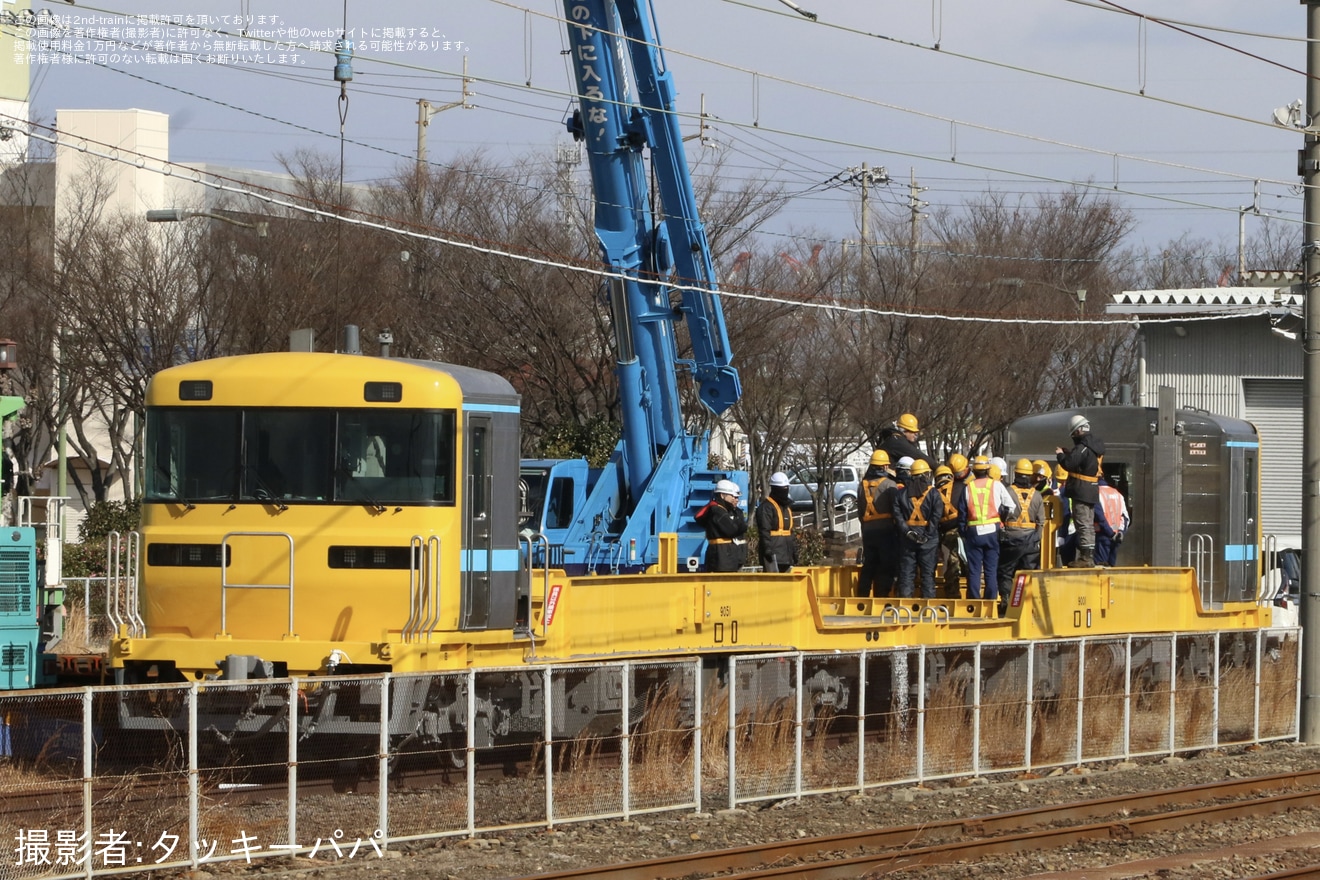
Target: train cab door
{"points": [[1125, 468], [1242, 532], [478, 532]]}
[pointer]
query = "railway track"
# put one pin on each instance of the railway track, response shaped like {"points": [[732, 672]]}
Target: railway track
{"points": [[894, 850]]}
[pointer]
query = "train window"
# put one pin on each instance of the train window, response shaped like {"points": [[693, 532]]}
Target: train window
{"points": [[192, 454], [559, 512], [287, 454], [394, 457]]}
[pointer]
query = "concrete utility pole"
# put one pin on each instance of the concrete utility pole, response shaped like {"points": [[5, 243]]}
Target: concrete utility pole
{"points": [[1309, 168], [915, 205], [425, 110], [866, 177]]}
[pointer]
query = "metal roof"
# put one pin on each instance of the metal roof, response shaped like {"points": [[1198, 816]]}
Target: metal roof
{"points": [[1250, 300]]}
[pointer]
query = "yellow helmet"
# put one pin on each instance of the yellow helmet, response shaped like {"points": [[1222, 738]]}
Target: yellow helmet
{"points": [[1040, 467], [1023, 466], [995, 472], [957, 463], [943, 471], [919, 467], [908, 422], [880, 458], [1060, 473], [981, 464]]}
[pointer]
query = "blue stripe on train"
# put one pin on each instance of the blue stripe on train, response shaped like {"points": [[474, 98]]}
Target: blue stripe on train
{"points": [[475, 560], [489, 408], [1239, 552]]}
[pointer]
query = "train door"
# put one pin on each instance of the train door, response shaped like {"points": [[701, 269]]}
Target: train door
{"points": [[1125, 469], [1242, 537], [478, 532]]}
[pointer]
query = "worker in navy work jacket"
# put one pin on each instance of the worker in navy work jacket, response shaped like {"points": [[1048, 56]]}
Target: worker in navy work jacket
{"points": [[1083, 463], [774, 527], [726, 529], [879, 535], [917, 511]]}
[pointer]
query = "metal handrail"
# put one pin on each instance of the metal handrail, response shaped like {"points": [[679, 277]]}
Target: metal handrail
{"points": [[532, 540], [415, 587], [1270, 557], [1200, 549], [225, 586], [431, 584], [122, 577]]}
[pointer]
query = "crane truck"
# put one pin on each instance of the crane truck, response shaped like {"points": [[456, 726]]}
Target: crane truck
{"points": [[658, 271]]}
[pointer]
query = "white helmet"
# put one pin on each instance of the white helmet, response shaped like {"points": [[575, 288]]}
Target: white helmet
{"points": [[905, 463], [1078, 424], [999, 462], [779, 478], [727, 487]]}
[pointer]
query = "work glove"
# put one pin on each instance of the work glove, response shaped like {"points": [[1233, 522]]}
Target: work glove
{"points": [[1118, 537], [916, 537]]}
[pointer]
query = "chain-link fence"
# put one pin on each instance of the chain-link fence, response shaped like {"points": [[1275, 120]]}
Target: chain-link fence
{"points": [[339, 767]]}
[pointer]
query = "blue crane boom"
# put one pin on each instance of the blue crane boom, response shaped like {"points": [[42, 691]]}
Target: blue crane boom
{"points": [[661, 271]]}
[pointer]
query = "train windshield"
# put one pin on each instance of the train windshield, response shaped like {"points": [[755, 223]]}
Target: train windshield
{"points": [[367, 456]]}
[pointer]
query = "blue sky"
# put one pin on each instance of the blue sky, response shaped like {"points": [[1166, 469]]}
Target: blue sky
{"points": [[1020, 95]]}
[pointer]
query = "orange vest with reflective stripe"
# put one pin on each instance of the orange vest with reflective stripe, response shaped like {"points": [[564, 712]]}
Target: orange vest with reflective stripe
{"points": [[784, 528], [981, 507], [1023, 520], [870, 490], [1112, 499], [950, 511], [916, 517]]}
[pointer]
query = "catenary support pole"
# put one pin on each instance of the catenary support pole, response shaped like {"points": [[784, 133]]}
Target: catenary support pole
{"points": [[1310, 604]]}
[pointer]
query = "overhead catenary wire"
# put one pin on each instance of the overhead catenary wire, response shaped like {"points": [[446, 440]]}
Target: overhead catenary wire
{"points": [[1129, 191], [344, 215], [408, 157], [862, 99]]}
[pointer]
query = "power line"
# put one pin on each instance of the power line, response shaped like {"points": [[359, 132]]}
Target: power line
{"points": [[365, 220]]}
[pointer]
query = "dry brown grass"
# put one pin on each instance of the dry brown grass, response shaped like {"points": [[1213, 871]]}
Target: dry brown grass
{"points": [[1103, 702], [1054, 722], [948, 727], [1237, 696], [1278, 689], [1003, 723], [662, 750]]}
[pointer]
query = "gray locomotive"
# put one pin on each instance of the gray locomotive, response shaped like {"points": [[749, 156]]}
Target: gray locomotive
{"points": [[1191, 481]]}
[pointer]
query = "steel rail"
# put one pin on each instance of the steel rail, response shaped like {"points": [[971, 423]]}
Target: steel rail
{"points": [[793, 857]]}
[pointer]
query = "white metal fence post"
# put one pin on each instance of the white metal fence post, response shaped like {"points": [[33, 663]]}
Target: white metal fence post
{"points": [[1214, 714], [292, 756], [383, 746], [861, 722], [88, 770], [471, 762], [1173, 692], [1031, 700], [1255, 690], [798, 735], [1081, 693], [921, 711], [976, 710], [733, 728], [698, 732], [1127, 701], [625, 748], [547, 684], [194, 789]]}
